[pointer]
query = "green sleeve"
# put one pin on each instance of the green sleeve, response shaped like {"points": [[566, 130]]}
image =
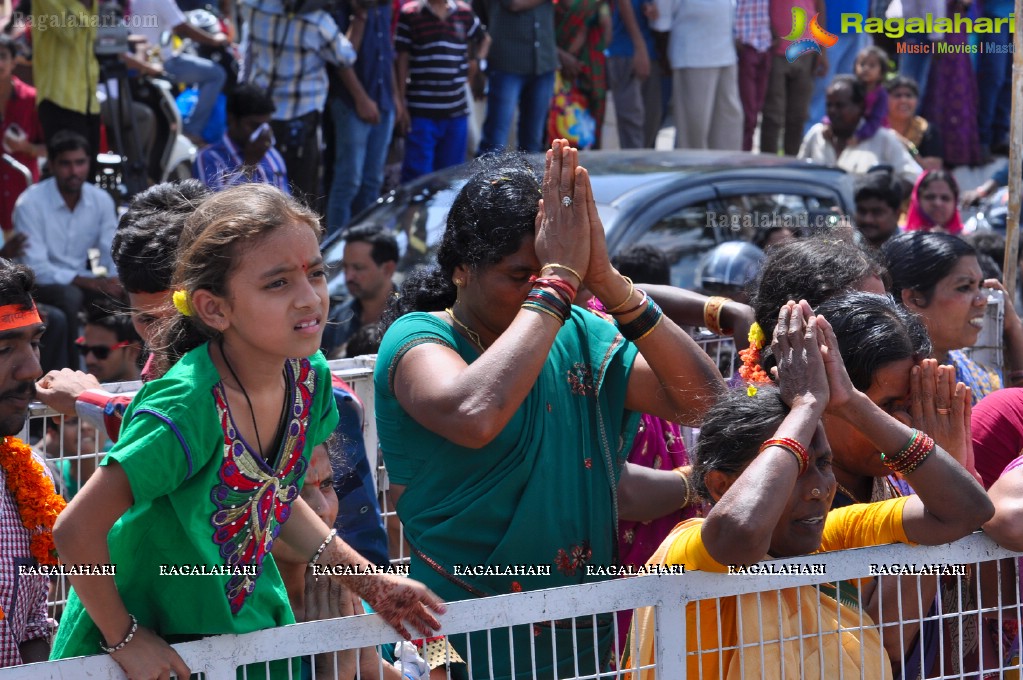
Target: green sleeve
{"points": [[155, 454]]}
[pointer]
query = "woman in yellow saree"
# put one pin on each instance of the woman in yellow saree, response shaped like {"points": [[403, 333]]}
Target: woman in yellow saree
{"points": [[776, 435]]}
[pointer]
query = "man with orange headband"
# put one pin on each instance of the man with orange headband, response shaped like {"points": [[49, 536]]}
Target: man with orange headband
{"points": [[25, 635]]}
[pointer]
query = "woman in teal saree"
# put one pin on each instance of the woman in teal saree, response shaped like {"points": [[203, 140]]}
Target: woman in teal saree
{"points": [[505, 414]]}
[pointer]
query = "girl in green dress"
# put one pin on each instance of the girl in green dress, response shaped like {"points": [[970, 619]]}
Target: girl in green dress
{"points": [[211, 457]]}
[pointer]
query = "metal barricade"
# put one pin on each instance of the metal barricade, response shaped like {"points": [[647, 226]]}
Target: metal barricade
{"points": [[753, 653]]}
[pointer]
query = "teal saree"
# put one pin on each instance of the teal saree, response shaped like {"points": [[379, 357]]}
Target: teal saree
{"points": [[540, 497]]}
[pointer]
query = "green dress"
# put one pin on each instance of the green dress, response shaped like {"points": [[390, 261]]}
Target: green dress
{"points": [[541, 496], [203, 498]]}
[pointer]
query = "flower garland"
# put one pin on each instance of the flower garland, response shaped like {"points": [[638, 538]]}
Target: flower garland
{"points": [[33, 493], [751, 371]]}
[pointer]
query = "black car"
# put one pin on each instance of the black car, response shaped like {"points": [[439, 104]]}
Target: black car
{"points": [[682, 202]]}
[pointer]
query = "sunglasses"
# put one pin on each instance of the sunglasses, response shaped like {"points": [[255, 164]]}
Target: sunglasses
{"points": [[101, 352]]}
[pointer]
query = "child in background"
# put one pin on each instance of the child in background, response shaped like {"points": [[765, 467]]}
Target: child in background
{"points": [[191, 481], [871, 67]]}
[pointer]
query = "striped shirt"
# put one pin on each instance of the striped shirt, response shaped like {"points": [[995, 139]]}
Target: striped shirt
{"points": [[219, 166], [438, 57]]}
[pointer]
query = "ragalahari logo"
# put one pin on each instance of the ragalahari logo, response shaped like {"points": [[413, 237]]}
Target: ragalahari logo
{"points": [[818, 37]]}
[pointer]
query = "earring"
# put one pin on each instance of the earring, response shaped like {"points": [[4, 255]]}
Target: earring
{"points": [[458, 282], [816, 493]]}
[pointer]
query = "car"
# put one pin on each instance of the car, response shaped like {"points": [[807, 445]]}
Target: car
{"points": [[683, 202]]}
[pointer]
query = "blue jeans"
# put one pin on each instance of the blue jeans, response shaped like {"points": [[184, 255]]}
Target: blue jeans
{"points": [[917, 66], [360, 152], [994, 90], [841, 59], [210, 78], [531, 95], [434, 144]]}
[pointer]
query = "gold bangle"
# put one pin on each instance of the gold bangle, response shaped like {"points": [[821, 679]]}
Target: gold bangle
{"points": [[712, 314], [689, 489], [556, 265], [632, 289]]}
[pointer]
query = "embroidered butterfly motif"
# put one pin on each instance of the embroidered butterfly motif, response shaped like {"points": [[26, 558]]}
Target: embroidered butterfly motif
{"points": [[252, 500]]}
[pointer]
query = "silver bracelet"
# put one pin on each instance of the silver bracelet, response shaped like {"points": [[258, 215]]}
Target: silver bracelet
{"points": [[123, 643], [323, 546]]}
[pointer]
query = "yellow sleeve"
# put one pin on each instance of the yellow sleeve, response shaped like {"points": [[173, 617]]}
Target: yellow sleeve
{"points": [[687, 549], [863, 524]]}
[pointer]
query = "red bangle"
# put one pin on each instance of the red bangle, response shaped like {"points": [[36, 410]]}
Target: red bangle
{"points": [[564, 288], [793, 447]]}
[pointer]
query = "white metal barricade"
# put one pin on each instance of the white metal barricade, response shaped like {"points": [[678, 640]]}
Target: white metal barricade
{"points": [[219, 658]]}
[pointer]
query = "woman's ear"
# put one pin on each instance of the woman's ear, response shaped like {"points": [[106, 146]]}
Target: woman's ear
{"points": [[210, 309], [461, 276], [718, 483], [911, 299]]}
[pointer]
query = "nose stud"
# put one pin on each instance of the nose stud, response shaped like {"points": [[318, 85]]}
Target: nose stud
{"points": [[816, 493]]}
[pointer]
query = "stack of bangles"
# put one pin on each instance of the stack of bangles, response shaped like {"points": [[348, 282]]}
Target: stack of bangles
{"points": [[552, 296], [911, 455], [793, 447], [644, 324]]}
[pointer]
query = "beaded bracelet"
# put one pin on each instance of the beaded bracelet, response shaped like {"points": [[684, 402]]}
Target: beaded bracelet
{"points": [[644, 324], [127, 638], [688, 500], [642, 301], [712, 314], [632, 287], [323, 546], [792, 446]]}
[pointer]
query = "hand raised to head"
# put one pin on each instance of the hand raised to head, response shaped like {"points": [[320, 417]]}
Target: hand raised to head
{"points": [[796, 347], [563, 233]]}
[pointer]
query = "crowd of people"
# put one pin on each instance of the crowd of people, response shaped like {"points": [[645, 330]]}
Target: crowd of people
{"points": [[525, 374], [333, 102], [528, 375]]}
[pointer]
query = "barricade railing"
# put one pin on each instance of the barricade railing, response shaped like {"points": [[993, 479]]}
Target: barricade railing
{"points": [[219, 658]]}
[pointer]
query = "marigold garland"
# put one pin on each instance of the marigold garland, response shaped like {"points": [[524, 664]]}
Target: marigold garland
{"points": [[33, 493], [751, 371]]}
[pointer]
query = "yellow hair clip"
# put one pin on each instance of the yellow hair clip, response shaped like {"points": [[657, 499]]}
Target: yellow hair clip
{"points": [[182, 302]]}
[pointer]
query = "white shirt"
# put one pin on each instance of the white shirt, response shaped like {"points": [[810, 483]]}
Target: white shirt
{"points": [[884, 148], [167, 15], [701, 32], [58, 240]]}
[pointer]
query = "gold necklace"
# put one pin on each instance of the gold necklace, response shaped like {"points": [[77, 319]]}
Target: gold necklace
{"points": [[473, 335]]}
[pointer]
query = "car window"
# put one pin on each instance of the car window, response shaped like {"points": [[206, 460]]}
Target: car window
{"points": [[687, 233], [683, 236]]}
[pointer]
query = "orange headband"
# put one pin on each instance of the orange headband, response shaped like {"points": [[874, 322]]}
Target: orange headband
{"points": [[16, 316]]}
